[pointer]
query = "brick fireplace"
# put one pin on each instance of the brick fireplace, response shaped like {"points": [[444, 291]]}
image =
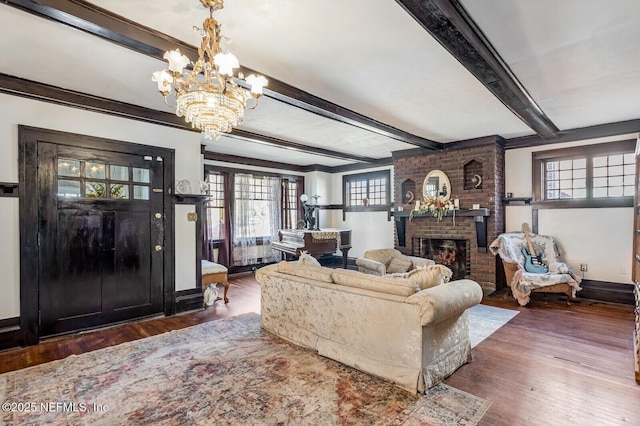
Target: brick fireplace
{"points": [[482, 157]]}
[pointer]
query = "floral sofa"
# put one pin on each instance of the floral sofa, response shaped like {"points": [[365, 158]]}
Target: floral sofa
{"points": [[385, 326]]}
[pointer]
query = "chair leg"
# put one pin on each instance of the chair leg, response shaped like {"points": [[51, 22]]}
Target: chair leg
{"points": [[226, 288]]}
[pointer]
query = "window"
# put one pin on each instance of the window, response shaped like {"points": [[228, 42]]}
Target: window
{"points": [[290, 203], [90, 179], [254, 198], [600, 175], [367, 190], [244, 211], [215, 207]]}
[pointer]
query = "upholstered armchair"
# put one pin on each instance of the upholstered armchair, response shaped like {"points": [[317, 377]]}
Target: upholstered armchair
{"points": [[389, 261], [559, 279]]}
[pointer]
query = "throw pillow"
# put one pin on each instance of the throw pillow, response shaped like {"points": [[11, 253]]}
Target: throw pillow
{"points": [[430, 276], [306, 259], [387, 284], [398, 264]]}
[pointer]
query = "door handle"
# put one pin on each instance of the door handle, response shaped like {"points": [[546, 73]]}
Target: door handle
{"points": [[158, 248]]}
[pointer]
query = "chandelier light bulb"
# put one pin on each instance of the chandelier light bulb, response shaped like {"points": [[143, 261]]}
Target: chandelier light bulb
{"points": [[177, 61]]}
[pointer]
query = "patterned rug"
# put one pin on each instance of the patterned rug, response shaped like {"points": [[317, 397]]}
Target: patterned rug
{"points": [[226, 372]]}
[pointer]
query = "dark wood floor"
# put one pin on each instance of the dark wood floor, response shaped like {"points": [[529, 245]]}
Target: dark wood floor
{"points": [[550, 365]]}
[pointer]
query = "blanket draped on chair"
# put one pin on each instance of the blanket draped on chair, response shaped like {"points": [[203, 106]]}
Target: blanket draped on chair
{"points": [[509, 247]]}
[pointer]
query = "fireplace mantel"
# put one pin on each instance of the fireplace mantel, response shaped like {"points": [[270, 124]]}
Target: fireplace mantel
{"points": [[479, 215]]}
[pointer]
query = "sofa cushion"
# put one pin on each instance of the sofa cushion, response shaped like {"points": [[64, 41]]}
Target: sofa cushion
{"points": [[306, 259], [312, 272], [429, 276], [388, 284], [399, 264]]}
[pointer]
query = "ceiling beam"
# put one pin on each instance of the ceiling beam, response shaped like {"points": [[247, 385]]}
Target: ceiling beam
{"points": [[450, 24], [87, 17], [293, 146], [580, 134], [43, 92]]}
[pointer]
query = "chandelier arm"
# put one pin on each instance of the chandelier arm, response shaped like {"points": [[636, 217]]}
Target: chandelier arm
{"points": [[167, 103], [255, 103]]}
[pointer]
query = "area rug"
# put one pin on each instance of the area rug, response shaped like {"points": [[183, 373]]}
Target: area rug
{"points": [[485, 320], [226, 372]]}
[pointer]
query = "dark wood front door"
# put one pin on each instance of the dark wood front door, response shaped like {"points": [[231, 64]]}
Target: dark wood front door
{"points": [[101, 237]]}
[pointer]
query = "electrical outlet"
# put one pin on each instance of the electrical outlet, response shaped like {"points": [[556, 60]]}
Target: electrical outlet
{"points": [[583, 267]]}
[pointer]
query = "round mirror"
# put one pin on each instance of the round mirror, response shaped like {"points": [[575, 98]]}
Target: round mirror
{"points": [[436, 184]]}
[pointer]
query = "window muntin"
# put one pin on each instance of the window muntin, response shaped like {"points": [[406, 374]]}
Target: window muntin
{"points": [[566, 179], [613, 175], [91, 179], [367, 189], [601, 175]]}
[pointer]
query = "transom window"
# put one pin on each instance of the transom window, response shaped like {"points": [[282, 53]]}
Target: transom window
{"points": [[367, 189], [91, 179], [593, 176]]}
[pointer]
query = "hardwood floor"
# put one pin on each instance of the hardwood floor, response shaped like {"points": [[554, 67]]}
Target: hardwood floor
{"points": [[551, 364]]}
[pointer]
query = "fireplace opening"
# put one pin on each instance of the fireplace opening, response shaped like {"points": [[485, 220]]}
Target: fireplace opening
{"points": [[446, 251]]}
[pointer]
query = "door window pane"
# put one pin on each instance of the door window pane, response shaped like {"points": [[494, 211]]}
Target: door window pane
{"points": [[96, 189], [119, 191], [95, 170], [140, 192], [119, 172], [68, 188], [140, 175], [68, 167]]}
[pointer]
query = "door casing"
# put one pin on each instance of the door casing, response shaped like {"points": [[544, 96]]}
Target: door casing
{"points": [[28, 138]]}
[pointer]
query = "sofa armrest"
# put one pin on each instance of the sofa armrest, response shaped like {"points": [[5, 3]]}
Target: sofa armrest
{"points": [[372, 267], [418, 262], [443, 301]]}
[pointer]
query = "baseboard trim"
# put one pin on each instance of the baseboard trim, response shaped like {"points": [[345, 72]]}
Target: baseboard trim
{"points": [[188, 300], [10, 333], [606, 291]]}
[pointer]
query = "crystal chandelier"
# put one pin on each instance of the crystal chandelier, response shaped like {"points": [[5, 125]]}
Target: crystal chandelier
{"points": [[208, 96]]}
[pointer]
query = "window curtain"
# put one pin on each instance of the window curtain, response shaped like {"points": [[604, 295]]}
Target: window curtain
{"points": [[256, 213], [275, 219]]}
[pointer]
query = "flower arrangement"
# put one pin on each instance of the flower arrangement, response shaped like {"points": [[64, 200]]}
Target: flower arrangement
{"points": [[437, 206]]}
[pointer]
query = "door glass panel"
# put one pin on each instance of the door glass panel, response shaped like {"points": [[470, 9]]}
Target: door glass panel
{"points": [[68, 188], [140, 175], [68, 167], [119, 172], [140, 192], [96, 189], [119, 191], [95, 170]]}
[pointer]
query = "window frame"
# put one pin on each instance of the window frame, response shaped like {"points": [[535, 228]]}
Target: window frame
{"points": [[539, 158], [347, 179]]}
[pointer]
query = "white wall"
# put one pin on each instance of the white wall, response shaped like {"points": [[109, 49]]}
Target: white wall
{"points": [[185, 257], [369, 230], [602, 238], [16, 110]]}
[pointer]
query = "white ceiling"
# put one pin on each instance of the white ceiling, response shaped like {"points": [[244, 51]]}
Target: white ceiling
{"points": [[575, 58]]}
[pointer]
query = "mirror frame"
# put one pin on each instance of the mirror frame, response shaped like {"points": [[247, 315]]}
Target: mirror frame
{"points": [[443, 182]]}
